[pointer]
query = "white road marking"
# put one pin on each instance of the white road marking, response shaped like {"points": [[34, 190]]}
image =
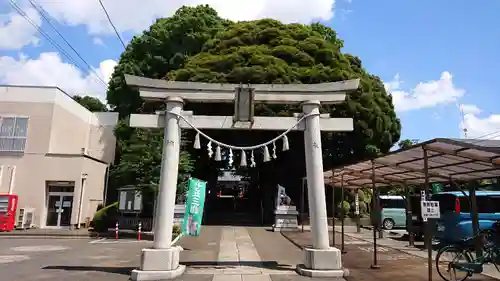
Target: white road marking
{"points": [[40, 248], [13, 258], [97, 240], [113, 241], [357, 242], [370, 249]]}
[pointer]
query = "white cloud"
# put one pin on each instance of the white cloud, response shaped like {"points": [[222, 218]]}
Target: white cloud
{"points": [[97, 41], [425, 94], [470, 109], [127, 17], [487, 127], [49, 70], [394, 84], [16, 32]]}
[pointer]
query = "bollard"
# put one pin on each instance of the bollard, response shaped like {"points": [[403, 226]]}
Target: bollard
{"points": [[139, 232], [116, 231]]}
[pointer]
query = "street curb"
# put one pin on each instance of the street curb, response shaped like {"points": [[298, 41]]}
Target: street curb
{"points": [[90, 235], [75, 237]]}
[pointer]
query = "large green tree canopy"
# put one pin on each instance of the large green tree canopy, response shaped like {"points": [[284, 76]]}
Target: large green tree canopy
{"points": [[91, 103], [197, 45]]}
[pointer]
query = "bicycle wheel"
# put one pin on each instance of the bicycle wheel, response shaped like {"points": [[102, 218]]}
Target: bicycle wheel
{"points": [[452, 254]]}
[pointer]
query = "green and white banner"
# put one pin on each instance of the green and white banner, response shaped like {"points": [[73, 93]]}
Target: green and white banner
{"points": [[194, 207]]}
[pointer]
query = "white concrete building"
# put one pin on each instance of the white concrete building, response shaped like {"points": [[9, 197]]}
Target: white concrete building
{"points": [[54, 154]]}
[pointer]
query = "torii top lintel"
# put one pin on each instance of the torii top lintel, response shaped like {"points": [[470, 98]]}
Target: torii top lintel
{"points": [[158, 89]]}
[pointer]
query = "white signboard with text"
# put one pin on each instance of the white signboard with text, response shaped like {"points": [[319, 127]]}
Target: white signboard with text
{"points": [[356, 204], [430, 210]]}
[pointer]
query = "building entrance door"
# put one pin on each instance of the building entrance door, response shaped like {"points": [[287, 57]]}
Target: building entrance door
{"points": [[59, 208]]}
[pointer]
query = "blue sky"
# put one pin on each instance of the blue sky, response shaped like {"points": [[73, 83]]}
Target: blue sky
{"points": [[435, 56], [421, 39]]}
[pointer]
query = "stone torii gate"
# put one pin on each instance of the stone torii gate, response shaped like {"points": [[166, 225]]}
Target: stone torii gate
{"points": [[162, 260]]}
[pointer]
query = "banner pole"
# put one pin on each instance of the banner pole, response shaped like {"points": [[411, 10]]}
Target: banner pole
{"points": [[177, 239]]}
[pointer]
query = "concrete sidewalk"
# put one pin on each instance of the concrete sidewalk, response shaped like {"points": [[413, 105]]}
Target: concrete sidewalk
{"points": [[47, 233]]}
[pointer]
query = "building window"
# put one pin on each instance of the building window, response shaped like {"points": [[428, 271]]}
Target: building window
{"points": [[13, 133]]}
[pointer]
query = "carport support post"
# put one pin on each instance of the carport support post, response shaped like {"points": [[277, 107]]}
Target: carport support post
{"points": [[379, 208], [302, 203], [475, 218], [162, 261], [342, 247], [333, 212], [409, 216], [322, 260], [375, 218], [428, 234]]}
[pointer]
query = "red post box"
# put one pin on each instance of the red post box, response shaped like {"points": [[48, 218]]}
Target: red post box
{"points": [[8, 210]]}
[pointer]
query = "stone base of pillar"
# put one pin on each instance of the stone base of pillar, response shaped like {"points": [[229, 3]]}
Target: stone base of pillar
{"points": [[159, 264], [322, 263]]}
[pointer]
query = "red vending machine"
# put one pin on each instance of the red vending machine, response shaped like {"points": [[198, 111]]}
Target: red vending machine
{"points": [[8, 210]]}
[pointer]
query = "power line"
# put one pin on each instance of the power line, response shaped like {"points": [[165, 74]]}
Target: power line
{"points": [[47, 19], [491, 135], [44, 34], [480, 138], [112, 25], [464, 129]]}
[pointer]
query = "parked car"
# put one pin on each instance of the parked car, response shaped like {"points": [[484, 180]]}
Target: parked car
{"points": [[455, 223], [393, 211]]}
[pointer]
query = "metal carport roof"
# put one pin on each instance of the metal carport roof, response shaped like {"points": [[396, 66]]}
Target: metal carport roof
{"points": [[448, 160]]}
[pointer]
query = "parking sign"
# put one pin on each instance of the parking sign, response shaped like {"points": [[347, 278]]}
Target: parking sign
{"points": [[430, 210]]}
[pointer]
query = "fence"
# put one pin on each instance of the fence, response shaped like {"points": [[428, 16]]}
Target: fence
{"points": [[133, 223]]}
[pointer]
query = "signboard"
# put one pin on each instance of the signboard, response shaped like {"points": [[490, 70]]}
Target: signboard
{"points": [[430, 210], [437, 188], [194, 207], [422, 195], [130, 200]]}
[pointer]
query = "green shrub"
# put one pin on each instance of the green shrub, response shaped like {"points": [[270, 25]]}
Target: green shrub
{"points": [[100, 206], [105, 217], [176, 230], [346, 206]]}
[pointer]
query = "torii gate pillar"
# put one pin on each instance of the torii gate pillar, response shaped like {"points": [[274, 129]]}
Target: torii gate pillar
{"points": [[321, 260]]}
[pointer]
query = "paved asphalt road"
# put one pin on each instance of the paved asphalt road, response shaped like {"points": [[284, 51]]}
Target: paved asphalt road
{"points": [[67, 259]]}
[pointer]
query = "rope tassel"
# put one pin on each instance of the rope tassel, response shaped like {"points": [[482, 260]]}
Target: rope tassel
{"points": [[285, 143], [209, 149], [243, 160], [252, 160], [267, 158], [274, 150], [218, 156], [230, 160], [197, 144]]}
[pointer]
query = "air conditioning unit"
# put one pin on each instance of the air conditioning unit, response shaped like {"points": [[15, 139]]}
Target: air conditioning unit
{"points": [[25, 218]]}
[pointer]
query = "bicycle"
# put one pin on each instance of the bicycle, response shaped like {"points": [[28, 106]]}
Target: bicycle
{"points": [[467, 263]]}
